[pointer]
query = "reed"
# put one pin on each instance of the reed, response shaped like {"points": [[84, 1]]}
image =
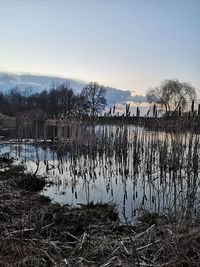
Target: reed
{"points": [[151, 176], [154, 171]]}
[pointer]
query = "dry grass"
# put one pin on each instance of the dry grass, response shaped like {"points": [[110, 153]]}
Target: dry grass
{"points": [[35, 232]]}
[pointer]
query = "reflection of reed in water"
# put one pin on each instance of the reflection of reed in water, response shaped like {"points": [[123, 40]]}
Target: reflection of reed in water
{"points": [[137, 169]]}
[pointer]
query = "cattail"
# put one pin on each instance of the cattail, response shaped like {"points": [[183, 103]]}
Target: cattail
{"points": [[154, 110], [192, 106], [199, 109], [180, 111], [127, 109], [114, 109], [189, 115], [138, 112]]}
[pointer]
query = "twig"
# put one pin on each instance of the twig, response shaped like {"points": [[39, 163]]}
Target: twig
{"points": [[69, 234], [20, 231]]}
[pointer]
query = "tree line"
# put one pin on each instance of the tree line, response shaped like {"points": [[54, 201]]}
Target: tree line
{"points": [[59, 100]]}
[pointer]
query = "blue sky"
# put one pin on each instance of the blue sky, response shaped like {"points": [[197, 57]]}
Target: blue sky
{"points": [[126, 44]]}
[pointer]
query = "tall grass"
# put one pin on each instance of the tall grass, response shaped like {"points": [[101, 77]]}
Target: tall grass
{"points": [[141, 170]]}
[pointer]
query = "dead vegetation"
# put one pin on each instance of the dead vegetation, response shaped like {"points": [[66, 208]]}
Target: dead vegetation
{"points": [[35, 232]]}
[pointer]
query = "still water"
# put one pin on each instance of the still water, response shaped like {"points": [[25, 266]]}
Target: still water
{"points": [[136, 169]]}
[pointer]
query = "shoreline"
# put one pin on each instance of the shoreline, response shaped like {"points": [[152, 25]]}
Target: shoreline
{"points": [[35, 232]]}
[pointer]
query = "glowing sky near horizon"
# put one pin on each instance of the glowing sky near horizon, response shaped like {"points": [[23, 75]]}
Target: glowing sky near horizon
{"points": [[121, 43]]}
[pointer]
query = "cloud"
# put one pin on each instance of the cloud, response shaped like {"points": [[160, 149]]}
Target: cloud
{"points": [[121, 96], [39, 83], [138, 99]]}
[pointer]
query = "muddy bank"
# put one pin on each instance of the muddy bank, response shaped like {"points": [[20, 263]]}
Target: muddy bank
{"points": [[35, 232]]}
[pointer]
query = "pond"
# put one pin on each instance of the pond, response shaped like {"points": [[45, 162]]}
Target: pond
{"points": [[138, 170]]}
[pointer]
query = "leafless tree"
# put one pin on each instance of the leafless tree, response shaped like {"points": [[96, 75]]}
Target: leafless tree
{"points": [[172, 94], [94, 97]]}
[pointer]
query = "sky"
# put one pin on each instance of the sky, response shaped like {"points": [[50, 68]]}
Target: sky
{"points": [[128, 44]]}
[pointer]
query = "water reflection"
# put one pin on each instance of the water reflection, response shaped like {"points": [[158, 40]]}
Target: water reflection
{"points": [[134, 168]]}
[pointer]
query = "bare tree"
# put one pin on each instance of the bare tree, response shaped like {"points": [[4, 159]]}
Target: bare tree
{"points": [[171, 94], [94, 97]]}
